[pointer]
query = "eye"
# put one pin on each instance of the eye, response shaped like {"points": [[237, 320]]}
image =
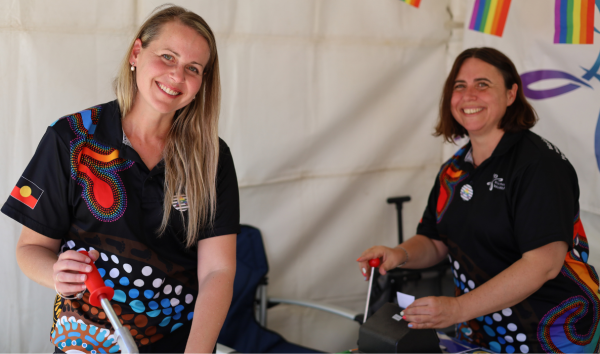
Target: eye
{"points": [[459, 86], [482, 84], [167, 56], [194, 69]]}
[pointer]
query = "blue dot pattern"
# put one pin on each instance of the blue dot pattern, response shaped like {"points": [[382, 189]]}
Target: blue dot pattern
{"points": [[134, 293]]}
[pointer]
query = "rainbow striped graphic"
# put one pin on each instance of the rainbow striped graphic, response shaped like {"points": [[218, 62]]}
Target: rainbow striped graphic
{"points": [[574, 21], [489, 16], [414, 3]]}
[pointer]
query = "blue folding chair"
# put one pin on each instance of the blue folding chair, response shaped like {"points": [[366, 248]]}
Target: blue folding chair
{"points": [[241, 330]]}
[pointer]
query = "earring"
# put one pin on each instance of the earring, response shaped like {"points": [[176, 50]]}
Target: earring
{"points": [[132, 67]]}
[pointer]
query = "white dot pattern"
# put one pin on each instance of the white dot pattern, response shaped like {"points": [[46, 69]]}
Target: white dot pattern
{"points": [[104, 257], [463, 278], [174, 302], [114, 273], [81, 249], [512, 327], [189, 298], [456, 265], [471, 284], [497, 317], [147, 270], [157, 282], [524, 349], [507, 312], [127, 267], [521, 337], [509, 339], [139, 283], [178, 289], [114, 259], [167, 290]]}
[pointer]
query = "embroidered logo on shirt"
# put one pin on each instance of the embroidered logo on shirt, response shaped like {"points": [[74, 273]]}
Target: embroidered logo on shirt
{"points": [[496, 183], [27, 192], [180, 203]]}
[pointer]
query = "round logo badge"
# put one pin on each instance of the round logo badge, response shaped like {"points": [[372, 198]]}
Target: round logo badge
{"points": [[466, 192]]}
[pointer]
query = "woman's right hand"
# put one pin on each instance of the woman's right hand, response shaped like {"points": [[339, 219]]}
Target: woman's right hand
{"points": [[390, 258], [67, 276]]}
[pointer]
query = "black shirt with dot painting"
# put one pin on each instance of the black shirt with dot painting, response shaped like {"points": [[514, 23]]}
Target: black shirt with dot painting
{"points": [[88, 187], [524, 196]]}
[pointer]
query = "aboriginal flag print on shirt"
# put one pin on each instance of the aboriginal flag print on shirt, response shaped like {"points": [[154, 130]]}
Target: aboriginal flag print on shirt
{"points": [[27, 192]]}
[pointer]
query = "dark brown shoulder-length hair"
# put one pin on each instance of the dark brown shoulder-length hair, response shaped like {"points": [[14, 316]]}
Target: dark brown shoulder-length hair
{"points": [[519, 115]]}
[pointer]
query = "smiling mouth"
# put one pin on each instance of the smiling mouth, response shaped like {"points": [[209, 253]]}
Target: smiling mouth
{"points": [[167, 90], [472, 110]]}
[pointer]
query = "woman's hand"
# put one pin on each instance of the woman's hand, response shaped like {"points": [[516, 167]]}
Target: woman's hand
{"points": [[432, 312], [67, 270], [390, 258]]}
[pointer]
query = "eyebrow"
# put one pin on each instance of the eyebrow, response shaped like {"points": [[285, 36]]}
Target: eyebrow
{"points": [[477, 79], [177, 55]]}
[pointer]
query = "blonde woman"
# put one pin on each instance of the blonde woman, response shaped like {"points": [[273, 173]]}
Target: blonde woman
{"points": [[147, 187]]}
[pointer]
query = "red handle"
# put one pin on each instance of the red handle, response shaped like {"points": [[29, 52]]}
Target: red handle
{"points": [[374, 262], [96, 286]]}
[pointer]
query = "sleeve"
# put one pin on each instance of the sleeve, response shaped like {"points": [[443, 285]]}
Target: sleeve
{"points": [[227, 218], [545, 202], [428, 225], [40, 199]]}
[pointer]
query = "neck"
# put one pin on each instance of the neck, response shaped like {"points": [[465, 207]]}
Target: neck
{"points": [[483, 146], [146, 125]]}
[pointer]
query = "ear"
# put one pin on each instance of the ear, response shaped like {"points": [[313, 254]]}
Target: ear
{"points": [[511, 94], [135, 51]]}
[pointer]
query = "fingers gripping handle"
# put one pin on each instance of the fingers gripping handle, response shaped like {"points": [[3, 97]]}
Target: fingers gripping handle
{"points": [[96, 285], [375, 262]]}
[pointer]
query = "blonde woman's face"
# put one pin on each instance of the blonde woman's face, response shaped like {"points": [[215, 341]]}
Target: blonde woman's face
{"points": [[169, 70]]}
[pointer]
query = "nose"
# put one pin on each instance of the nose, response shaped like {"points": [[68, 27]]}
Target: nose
{"points": [[470, 94], [178, 73]]}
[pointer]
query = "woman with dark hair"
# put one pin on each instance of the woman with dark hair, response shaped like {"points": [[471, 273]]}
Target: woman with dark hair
{"points": [[145, 185], [505, 211]]}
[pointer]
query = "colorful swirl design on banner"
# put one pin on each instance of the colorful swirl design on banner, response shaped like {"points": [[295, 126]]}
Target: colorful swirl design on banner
{"points": [[95, 167], [574, 83], [450, 176]]}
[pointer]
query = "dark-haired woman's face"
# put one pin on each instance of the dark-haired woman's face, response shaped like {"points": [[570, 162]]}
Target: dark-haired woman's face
{"points": [[479, 97], [169, 70]]}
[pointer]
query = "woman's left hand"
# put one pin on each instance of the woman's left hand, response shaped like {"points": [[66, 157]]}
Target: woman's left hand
{"points": [[432, 312]]}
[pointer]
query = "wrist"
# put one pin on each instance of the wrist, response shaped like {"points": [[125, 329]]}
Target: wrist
{"points": [[403, 256]]}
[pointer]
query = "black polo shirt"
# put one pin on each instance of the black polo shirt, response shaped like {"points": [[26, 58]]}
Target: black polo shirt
{"points": [[88, 187], [524, 196]]}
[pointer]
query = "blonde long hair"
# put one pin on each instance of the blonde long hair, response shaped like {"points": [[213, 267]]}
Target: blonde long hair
{"points": [[191, 153]]}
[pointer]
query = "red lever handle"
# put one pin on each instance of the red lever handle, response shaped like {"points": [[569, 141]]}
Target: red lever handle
{"points": [[374, 262], [96, 286]]}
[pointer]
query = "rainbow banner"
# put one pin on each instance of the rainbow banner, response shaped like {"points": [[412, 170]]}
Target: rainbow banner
{"points": [[414, 3], [489, 16], [574, 21]]}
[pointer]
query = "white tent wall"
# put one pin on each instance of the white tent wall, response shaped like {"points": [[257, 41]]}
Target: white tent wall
{"points": [[328, 107]]}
